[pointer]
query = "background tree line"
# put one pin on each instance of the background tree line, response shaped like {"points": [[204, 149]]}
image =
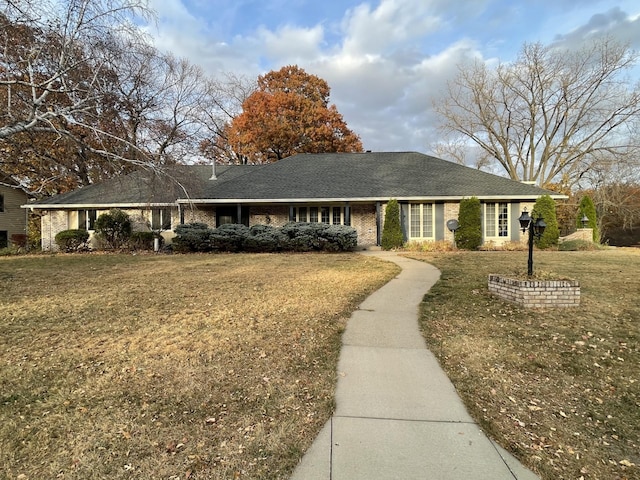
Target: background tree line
{"points": [[84, 96]]}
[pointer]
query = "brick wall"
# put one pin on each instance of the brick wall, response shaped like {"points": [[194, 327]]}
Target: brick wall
{"points": [[363, 219], [536, 293], [451, 211]]}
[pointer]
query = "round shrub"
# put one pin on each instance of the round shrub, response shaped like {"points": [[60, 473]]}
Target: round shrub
{"points": [[113, 228], [192, 237], [308, 237], [265, 238], [229, 237], [72, 240]]}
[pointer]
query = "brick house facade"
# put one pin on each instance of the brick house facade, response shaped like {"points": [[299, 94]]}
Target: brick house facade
{"points": [[340, 188]]}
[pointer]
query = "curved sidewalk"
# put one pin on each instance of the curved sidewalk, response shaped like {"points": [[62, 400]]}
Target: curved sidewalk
{"points": [[397, 414]]}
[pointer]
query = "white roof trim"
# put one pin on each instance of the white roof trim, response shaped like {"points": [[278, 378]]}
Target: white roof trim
{"points": [[357, 199], [97, 206]]}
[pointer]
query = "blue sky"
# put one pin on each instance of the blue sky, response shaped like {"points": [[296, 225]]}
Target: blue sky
{"points": [[384, 60]]}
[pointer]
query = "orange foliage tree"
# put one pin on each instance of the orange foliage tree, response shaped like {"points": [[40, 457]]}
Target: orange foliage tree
{"points": [[289, 113]]}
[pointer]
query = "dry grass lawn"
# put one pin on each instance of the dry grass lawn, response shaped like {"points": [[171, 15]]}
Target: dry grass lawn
{"points": [[170, 367], [559, 388]]}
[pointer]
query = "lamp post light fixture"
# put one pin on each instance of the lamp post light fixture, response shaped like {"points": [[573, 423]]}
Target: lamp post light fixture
{"points": [[584, 220], [536, 229]]}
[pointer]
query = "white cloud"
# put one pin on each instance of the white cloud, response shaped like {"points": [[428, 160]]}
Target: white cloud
{"points": [[291, 44], [384, 61], [386, 27]]}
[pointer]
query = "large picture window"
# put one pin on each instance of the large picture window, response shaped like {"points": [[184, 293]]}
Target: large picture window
{"points": [[421, 221], [496, 219], [328, 215]]}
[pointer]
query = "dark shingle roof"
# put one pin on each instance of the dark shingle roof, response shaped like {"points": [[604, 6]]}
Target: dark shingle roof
{"points": [[337, 176], [367, 176], [146, 187]]}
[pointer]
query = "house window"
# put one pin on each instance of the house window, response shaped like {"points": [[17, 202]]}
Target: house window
{"points": [[1, 203], [421, 220], [325, 215], [87, 219], [4, 239], [328, 215], [313, 214], [161, 219], [496, 219]]}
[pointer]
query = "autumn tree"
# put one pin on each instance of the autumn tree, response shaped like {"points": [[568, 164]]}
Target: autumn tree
{"points": [[290, 113], [552, 111]]}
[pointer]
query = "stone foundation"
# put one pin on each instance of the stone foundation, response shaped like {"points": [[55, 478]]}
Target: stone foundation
{"points": [[536, 293]]}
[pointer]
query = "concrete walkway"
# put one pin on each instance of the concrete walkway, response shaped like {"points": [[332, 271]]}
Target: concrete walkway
{"points": [[397, 414]]}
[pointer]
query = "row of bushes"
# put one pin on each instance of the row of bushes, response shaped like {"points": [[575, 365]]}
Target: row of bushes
{"points": [[297, 237]]}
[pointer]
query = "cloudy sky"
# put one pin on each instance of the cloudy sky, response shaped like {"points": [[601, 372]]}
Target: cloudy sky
{"points": [[384, 59]]}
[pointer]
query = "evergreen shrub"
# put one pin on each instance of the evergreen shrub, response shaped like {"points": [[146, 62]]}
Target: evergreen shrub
{"points": [[72, 240], [192, 237], [392, 230], [113, 228], [229, 237], [469, 233], [545, 207], [587, 207]]}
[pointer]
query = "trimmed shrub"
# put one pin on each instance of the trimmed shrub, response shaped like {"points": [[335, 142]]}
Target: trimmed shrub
{"points": [[229, 237], [142, 240], [265, 238], [587, 207], [192, 237], [299, 237], [308, 237], [545, 207], [72, 240], [113, 228], [392, 230], [469, 233], [340, 238]]}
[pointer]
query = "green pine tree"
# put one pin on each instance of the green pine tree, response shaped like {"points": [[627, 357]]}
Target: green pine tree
{"points": [[545, 208], [469, 233], [392, 230], [587, 207]]}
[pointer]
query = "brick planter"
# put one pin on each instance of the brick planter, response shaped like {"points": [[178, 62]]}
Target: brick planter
{"points": [[536, 293]]}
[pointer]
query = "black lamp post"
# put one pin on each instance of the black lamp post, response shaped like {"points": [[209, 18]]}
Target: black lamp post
{"points": [[536, 229]]}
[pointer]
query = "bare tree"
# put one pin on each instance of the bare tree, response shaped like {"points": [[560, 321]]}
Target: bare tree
{"points": [[55, 59], [224, 102], [550, 113]]}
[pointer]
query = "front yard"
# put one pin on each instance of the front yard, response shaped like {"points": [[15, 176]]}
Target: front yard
{"points": [[172, 367]]}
